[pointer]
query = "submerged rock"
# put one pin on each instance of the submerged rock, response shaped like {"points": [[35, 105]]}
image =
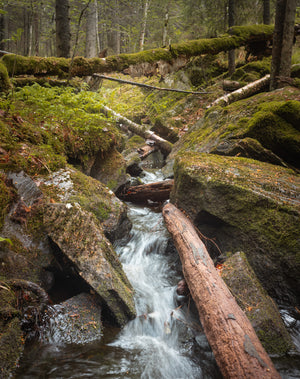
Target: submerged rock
{"points": [[258, 306], [249, 206], [76, 320], [80, 238]]}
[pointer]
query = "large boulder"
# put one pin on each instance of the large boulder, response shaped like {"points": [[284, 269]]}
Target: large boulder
{"points": [[258, 306], [249, 206], [263, 127], [77, 234]]}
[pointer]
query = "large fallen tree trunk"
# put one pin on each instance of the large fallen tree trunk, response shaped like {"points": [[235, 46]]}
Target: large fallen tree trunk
{"points": [[237, 349], [158, 191], [164, 145], [161, 60], [244, 92]]}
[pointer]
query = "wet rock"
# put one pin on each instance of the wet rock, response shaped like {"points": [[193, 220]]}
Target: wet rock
{"points": [[247, 206], [258, 306], [76, 320], [82, 240]]}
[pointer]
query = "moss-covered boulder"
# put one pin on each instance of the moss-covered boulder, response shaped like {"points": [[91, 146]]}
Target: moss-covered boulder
{"points": [[111, 170], [258, 306], [79, 236], [270, 118], [247, 206]]}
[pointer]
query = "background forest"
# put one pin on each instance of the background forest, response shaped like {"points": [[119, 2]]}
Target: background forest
{"points": [[29, 27]]}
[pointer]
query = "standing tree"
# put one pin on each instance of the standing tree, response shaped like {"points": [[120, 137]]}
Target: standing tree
{"points": [[266, 13], [91, 30], [144, 25], [231, 53], [63, 35], [282, 42]]}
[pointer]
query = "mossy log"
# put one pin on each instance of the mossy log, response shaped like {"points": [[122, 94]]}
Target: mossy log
{"points": [[244, 92], [151, 61], [237, 349], [158, 191]]}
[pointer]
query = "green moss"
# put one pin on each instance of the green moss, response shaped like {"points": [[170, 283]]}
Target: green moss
{"points": [[6, 197], [257, 203], [5, 85]]}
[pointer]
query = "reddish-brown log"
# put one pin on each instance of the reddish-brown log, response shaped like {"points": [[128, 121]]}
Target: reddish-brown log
{"points": [[237, 349], [158, 191]]}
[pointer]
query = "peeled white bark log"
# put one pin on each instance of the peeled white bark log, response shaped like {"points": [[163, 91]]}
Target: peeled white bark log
{"points": [[242, 93]]}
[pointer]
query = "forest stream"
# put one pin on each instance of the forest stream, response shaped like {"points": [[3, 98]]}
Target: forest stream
{"points": [[164, 341]]}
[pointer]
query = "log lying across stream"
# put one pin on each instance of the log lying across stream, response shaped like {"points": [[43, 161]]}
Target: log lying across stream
{"points": [[158, 191], [237, 349]]}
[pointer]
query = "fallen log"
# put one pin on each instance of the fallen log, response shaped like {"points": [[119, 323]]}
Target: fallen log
{"points": [[237, 349], [163, 60], [243, 93], [164, 145], [158, 192], [143, 85]]}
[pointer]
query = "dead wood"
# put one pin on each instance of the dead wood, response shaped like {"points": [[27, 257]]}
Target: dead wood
{"points": [[164, 146], [237, 349], [243, 93], [158, 192], [148, 86]]}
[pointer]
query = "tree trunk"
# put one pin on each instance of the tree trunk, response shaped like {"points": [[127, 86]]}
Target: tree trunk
{"points": [[282, 41], [2, 31], [91, 30], [266, 13], [144, 25], [159, 191], [63, 34], [237, 349], [231, 21], [36, 27], [165, 31]]}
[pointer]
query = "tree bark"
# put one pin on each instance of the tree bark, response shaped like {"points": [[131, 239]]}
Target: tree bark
{"points": [[146, 61], [144, 25], [237, 349], [165, 31], [63, 34], [158, 191], [164, 146], [266, 12], [244, 92], [91, 30], [231, 21], [282, 41]]}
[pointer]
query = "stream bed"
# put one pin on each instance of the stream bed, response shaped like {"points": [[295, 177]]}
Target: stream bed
{"points": [[165, 341]]}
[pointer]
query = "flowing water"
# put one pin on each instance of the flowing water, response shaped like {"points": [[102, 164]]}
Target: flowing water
{"points": [[164, 341]]}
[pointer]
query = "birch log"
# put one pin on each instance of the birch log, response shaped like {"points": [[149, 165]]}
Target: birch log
{"points": [[164, 145], [237, 349], [244, 92]]}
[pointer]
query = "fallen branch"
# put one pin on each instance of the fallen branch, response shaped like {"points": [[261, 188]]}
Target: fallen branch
{"points": [[158, 191], [148, 86], [237, 349], [244, 92], [164, 145]]}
